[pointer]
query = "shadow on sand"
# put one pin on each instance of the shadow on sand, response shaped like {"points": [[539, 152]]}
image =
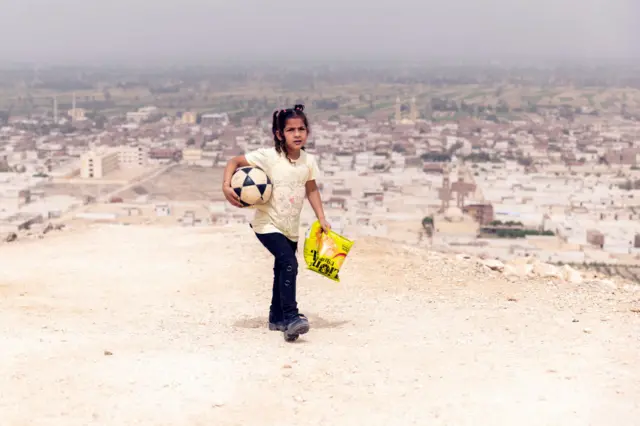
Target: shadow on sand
{"points": [[315, 321]]}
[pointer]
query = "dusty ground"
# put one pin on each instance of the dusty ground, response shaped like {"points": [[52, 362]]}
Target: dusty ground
{"points": [[181, 183], [152, 326], [77, 190]]}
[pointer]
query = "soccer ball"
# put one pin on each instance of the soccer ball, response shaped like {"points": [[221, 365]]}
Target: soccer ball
{"points": [[252, 185]]}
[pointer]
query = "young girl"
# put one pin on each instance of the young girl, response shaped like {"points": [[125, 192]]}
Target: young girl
{"points": [[293, 173]]}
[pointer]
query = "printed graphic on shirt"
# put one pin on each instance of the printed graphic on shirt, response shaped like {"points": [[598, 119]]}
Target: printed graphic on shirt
{"points": [[282, 213]]}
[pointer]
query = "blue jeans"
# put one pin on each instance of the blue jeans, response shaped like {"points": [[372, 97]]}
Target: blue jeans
{"points": [[285, 271]]}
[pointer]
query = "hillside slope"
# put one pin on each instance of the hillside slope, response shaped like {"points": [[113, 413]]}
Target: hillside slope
{"points": [[167, 326]]}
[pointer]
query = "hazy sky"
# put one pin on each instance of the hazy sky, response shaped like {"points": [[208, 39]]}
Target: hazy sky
{"points": [[210, 30]]}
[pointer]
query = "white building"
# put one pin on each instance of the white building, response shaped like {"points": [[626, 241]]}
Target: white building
{"points": [[95, 165], [133, 156]]}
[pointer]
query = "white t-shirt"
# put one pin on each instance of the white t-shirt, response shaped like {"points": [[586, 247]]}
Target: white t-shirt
{"points": [[282, 212]]}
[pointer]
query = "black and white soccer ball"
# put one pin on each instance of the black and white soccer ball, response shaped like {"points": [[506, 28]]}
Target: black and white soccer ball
{"points": [[252, 185]]}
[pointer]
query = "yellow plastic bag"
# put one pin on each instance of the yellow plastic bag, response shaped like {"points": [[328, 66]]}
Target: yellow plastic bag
{"points": [[324, 252]]}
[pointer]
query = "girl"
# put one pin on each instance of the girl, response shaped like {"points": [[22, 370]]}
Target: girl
{"points": [[276, 224]]}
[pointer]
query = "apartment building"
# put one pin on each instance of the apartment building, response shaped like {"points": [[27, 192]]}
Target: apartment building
{"points": [[191, 155], [95, 165], [133, 156]]}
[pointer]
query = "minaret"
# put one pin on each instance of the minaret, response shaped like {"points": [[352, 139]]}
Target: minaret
{"points": [[414, 111], [55, 109], [398, 112], [73, 107], [445, 191]]}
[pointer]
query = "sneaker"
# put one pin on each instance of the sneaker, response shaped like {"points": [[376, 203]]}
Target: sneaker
{"points": [[295, 327], [276, 325]]}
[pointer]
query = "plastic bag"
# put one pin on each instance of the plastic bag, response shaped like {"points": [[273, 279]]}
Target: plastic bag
{"points": [[324, 252]]}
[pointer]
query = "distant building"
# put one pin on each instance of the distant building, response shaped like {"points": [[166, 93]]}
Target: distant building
{"points": [[628, 156], [132, 156], [433, 168], [14, 198], [162, 210], [481, 213], [191, 155], [340, 192], [214, 119], [95, 165], [142, 114], [337, 203], [189, 218], [595, 237], [136, 116], [189, 117], [165, 154], [77, 114]]}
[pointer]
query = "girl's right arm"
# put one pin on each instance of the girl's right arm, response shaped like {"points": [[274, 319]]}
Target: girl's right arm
{"points": [[232, 165]]}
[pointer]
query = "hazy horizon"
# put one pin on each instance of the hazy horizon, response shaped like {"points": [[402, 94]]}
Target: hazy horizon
{"points": [[138, 32]]}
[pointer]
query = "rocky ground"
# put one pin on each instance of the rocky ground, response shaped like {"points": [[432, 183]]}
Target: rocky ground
{"points": [[121, 325]]}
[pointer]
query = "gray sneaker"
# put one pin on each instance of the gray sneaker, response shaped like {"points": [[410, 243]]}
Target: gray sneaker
{"points": [[277, 326], [295, 327]]}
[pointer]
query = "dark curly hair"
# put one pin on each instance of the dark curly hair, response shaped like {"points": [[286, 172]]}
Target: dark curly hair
{"points": [[280, 118]]}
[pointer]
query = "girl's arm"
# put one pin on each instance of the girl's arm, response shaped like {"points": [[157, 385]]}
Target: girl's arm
{"points": [[232, 165], [313, 195]]}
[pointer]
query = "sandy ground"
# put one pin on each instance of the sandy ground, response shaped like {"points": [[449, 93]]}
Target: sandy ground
{"points": [[180, 183], [117, 325]]}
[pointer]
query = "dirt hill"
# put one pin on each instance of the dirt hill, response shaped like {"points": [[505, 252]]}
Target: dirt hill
{"points": [[167, 326]]}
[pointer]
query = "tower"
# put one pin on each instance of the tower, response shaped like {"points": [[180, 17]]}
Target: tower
{"points": [[55, 109], [413, 114], [74, 113], [445, 191]]}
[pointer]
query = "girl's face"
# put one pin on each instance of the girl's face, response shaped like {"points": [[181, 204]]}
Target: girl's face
{"points": [[295, 134]]}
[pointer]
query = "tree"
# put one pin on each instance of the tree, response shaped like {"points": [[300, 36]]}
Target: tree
{"points": [[436, 157], [427, 224], [427, 221], [399, 148], [525, 161]]}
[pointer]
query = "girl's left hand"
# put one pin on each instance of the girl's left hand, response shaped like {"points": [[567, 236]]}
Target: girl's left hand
{"points": [[326, 227]]}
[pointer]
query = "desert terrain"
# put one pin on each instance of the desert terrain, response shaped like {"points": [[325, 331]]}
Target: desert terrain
{"points": [[126, 325], [180, 183]]}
